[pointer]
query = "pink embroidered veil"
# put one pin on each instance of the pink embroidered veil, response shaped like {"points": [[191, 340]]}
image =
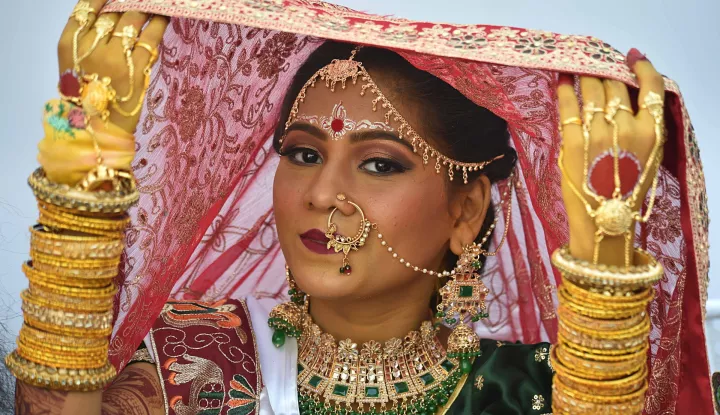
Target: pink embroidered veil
{"points": [[204, 228]]}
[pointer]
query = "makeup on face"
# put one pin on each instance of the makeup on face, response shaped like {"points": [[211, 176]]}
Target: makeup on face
{"points": [[316, 241]]}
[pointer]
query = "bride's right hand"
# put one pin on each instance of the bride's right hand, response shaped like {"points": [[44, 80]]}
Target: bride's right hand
{"points": [[107, 59]]}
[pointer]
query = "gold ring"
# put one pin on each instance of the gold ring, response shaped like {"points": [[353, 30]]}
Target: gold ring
{"points": [[104, 25], [129, 36], [153, 51], [572, 120], [81, 13]]}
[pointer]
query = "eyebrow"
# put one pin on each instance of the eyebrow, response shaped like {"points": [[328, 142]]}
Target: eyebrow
{"points": [[355, 136]]}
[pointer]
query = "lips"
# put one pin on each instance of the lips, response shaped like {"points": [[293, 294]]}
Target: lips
{"points": [[316, 241]]}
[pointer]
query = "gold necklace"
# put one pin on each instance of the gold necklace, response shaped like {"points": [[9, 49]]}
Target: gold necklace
{"points": [[413, 375]]}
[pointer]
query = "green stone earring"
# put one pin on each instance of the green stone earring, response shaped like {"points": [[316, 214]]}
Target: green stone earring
{"points": [[286, 319], [463, 298]]}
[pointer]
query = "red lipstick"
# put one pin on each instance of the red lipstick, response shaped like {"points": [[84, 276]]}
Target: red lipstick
{"points": [[316, 241]]}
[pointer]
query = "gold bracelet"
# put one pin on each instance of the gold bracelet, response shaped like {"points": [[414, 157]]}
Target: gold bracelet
{"points": [[34, 275], [599, 313], [66, 323], [602, 352], [105, 292], [100, 273], [602, 389], [56, 360], [563, 403], [89, 248], [594, 397], [46, 338], [59, 227], [608, 301], [601, 324], [51, 378], [62, 349], [597, 370], [72, 198], [622, 358], [74, 263], [642, 328], [112, 223], [619, 345], [609, 277], [66, 303]]}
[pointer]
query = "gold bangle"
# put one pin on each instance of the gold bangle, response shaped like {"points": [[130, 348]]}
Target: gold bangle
{"points": [[39, 257], [62, 349], [105, 292], [598, 313], [75, 248], [641, 328], [62, 322], [619, 345], [564, 403], [601, 324], [79, 341], [116, 201], [35, 275], [52, 378], [602, 352], [57, 226], [117, 222], [56, 360], [100, 273], [622, 358], [593, 395], [66, 303], [602, 389], [626, 301], [608, 277], [596, 370]]}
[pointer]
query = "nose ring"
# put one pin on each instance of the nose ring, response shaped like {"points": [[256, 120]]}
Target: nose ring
{"points": [[344, 243]]}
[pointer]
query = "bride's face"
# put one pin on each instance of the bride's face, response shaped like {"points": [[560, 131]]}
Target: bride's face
{"points": [[362, 158]]}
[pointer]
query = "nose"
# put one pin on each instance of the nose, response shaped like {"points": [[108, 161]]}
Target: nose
{"points": [[322, 194]]}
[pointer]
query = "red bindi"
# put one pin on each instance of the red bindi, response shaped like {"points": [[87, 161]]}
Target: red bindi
{"points": [[337, 125]]}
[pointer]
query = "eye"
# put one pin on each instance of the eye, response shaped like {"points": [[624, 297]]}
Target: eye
{"points": [[303, 156], [382, 166]]}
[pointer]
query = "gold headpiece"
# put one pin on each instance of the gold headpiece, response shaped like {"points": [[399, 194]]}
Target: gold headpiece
{"points": [[340, 70]]}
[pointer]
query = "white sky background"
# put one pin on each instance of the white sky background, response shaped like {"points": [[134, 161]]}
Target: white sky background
{"points": [[681, 38]]}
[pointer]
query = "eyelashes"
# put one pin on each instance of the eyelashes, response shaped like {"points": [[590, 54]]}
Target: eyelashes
{"points": [[378, 165]]}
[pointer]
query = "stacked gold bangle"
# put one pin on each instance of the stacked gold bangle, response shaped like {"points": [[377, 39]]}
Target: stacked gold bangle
{"points": [[68, 307], [601, 355]]}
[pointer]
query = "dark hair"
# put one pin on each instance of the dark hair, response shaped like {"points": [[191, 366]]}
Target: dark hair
{"points": [[455, 125]]}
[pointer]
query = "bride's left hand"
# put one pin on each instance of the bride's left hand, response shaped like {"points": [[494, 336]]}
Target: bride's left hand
{"points": [[636, 134]]}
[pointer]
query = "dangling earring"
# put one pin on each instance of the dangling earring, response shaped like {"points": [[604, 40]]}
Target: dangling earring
{"points": [[286, 319], [345, 243], [463, 297]]}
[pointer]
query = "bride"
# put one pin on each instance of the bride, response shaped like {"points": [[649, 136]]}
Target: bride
{"points": [[341, 213]]}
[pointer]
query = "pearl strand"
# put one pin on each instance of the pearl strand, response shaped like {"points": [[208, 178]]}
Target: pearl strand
{"points": [[505, 199]]}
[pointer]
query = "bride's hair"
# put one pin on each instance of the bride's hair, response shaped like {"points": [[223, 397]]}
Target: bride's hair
{"points": [[456, 126]]}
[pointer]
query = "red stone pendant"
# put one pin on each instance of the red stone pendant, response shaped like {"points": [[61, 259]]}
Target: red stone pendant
{"points": [[346, 269], [69, 84], [601, 174]]}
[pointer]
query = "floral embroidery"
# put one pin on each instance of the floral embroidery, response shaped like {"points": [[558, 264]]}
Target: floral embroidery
{"points": [[603, 52], [538, 402], [218, 314], [500, 344], [274, 53], [665, 227], [479, 382], [58, 120], [242, 396], [338, 124], [535, 45], [541, 354]]}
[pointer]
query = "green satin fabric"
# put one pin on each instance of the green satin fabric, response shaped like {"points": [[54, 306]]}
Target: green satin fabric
{"points": [[516, 379]]}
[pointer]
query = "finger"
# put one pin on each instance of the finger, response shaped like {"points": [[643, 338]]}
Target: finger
{"points": [[624, 117], [649, 79], [131, 18], [569, 110], [65, 45], [593, 94], [149, 40], [99, 35]]}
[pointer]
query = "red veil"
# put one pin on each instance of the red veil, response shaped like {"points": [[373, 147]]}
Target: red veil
{"points": [[204, 226]]}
